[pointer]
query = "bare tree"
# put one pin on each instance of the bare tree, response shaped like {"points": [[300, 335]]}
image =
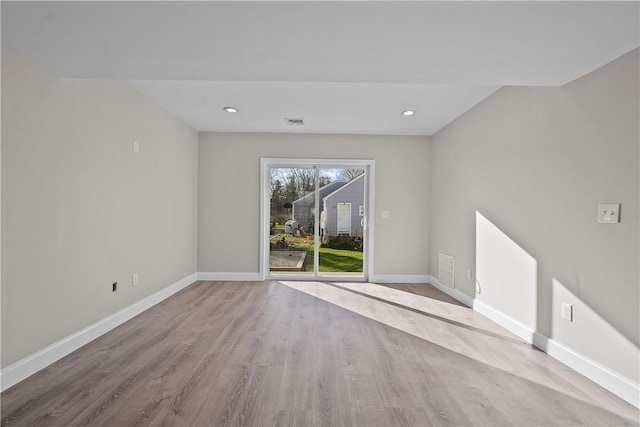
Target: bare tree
{"points": [[324, 180], [349, 174], [275, 181], [304, 180]]}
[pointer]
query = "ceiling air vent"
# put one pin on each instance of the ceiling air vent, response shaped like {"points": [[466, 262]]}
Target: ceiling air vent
{"points": [[295, 122]]}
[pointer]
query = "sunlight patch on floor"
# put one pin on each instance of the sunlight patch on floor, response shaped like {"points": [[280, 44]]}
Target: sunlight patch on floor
{"points": [[450, 327], [453, 312]]}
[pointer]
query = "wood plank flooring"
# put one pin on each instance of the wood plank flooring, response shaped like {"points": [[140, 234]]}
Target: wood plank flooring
{"points": [[309, 354]]}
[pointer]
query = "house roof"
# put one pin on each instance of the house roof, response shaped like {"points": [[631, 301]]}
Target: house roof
{"points": [[337, 190], [324, 191]]}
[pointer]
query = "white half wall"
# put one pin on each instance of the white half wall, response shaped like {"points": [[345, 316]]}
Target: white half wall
{"points": [[81, 210], [534, 163], [229, 195]]}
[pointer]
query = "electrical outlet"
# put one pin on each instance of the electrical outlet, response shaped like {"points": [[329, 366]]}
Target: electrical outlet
{"points": [[114, 287], [386, 214], [469, 273], [136, 147], [567, 311], [135, 279], [609, 213]]}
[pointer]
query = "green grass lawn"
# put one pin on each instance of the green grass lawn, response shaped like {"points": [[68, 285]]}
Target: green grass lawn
{"points": [[331, 260], [338, 260]]}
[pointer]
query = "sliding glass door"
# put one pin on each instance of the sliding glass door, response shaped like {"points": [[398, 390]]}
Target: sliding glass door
{"points": [[314, 219]]}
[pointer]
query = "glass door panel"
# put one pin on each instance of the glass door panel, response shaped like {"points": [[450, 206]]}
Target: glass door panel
{"points": [[342, 221], [292, 221]]}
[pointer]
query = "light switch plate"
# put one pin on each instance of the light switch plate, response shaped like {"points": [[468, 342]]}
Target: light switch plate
{"points": [[609, 212]]}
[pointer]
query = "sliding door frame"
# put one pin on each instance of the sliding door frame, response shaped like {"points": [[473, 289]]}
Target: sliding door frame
{"points": [[266, 163]]}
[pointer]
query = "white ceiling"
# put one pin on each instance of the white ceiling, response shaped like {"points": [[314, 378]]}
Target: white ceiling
{"points": [[345, 67]]}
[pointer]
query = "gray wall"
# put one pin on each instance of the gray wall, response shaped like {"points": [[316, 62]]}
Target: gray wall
{"points": [[80, 210], [534, 163], [229, 196]]}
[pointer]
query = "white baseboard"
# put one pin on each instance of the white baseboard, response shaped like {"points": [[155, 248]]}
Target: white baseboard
{"points": [[229, 277], [31, 364], [452, 292], [399, 278], [509, 323], [596, 372]]}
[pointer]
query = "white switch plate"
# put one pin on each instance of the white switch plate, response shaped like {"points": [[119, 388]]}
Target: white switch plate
{"points": [[135, 279], [567, 311], [136, 147], [386, 214], [609, 212]]}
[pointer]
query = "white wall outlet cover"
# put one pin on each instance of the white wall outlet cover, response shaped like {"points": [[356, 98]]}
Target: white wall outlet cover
{"points": [[609, 212], [567, 311], [386, 214], [136, 147], [135, 279]]}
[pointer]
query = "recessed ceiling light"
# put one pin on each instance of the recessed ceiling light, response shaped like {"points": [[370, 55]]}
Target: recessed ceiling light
{"points": [[408, 113], [230, 109]]}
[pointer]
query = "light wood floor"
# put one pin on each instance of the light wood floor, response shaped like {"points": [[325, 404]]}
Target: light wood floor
{"points": [[309, 353]]}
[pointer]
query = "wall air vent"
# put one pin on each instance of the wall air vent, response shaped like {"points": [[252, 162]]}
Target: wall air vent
{"points": [[446, 269], [295, 122]]}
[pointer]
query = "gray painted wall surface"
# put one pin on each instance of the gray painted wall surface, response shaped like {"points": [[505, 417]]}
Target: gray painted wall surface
{"points": [[80, 210], [229, 196], [535, 163]]}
